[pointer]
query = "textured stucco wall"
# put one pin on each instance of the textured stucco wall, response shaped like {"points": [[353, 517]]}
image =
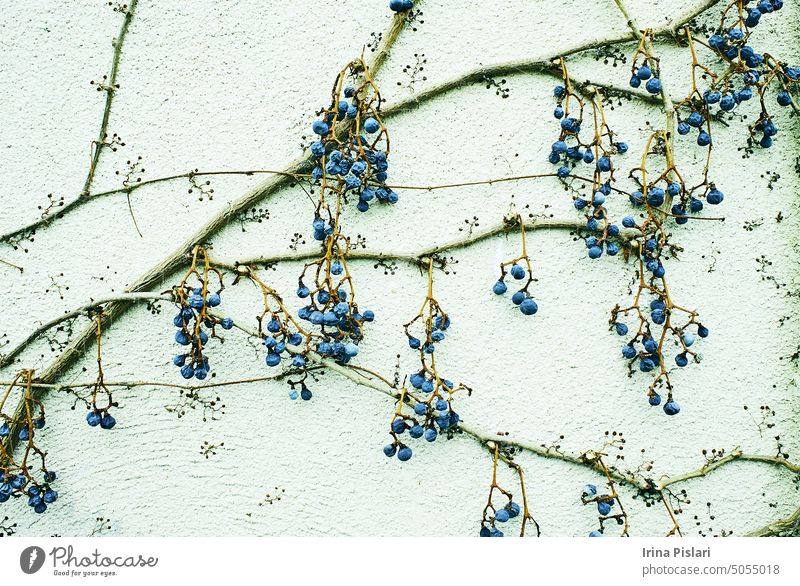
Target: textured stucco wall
{"points": [[234, 85]]}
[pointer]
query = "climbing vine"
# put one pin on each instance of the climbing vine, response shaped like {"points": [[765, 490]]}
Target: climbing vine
{"points": [[347, 164]]}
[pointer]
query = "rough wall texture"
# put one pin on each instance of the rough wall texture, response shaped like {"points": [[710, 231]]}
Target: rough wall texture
{"points": [[235, 85]]}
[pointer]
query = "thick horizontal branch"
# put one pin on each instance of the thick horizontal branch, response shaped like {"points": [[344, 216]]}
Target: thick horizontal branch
{"points": [[736, 455], [786, 527], [421, 258], [149, 383]]}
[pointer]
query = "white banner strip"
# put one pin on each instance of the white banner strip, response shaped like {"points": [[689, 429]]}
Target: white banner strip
{"points": [[355, 561]]}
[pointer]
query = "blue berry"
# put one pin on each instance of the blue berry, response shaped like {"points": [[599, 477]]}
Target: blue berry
{"points": [[715, 196], [671, 407], [654, 399], [517, 272], [695, 119], [646, 364], [404, 454], [604, 507], [655, 196], [502, 516], [499, 288], [528, 307], [320, 127], [430, 434], [390, 450], [517, 298], [653, 85], [727, 103], [644, 72], [621, 328], [93, 418], [108, 421], [784, 98], [398, 425], [371, 125]]}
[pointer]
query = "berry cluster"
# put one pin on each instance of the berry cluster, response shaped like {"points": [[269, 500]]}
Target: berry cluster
{"points": [[654, 323], [605, 504], [521, 297], [600, 151], [497, 515], [609, 505], [284, 336], [347, 163], [644, 67], [353, 145], [20, 479], [195, 303], [432, 405], [99, 414], [748, 74], [331, 303]]}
